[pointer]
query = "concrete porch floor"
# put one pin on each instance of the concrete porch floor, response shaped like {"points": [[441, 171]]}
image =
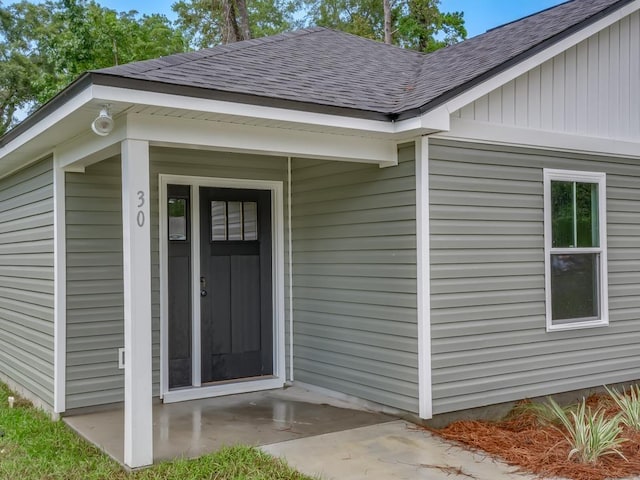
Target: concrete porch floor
{"points": [[194, 428]]}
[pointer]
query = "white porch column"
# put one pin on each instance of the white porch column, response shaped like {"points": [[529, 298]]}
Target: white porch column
{"points": [[138, 417]]}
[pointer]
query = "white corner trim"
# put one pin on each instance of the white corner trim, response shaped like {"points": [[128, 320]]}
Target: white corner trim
{"points": [[278, 259], [190, 133], [500, 79], [290, 260], [59, 290], [599, 178], [490, 133], [423, 278]]}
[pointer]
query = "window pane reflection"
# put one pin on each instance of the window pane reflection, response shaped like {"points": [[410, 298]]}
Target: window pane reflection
{"points": [[574, 287], [234, 220], [177, 219], [250, 220], [218, 221]]}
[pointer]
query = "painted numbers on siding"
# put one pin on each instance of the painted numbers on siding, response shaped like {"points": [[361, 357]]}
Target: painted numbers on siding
{"points": [[140, 216]]}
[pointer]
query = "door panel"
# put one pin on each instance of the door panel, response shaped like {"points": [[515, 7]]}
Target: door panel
{"points": [[179, 283], [236, 296]]}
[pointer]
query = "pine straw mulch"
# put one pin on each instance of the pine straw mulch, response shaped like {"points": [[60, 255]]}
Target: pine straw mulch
{"points": [[521, 440]]}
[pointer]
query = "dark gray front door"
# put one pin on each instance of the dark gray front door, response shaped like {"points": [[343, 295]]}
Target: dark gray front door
{"points": [[236, 285]]}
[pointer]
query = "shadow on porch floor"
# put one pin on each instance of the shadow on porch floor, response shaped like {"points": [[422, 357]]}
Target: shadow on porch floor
{"points": [[194, 428]]}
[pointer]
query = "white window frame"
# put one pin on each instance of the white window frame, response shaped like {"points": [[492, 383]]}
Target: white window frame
{"points": [[600, 179]]}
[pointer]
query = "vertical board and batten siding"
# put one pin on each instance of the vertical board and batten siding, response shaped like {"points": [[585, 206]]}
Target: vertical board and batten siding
{"points": [[95, 301], [26, 279], [95, 324], [590, 89], [354, 279], [489, 343]]}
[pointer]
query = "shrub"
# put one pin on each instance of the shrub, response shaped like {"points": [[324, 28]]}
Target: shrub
{"points": [[629, 404], [589, 433]]}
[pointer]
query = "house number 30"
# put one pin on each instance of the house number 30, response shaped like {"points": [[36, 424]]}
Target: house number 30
{"points": [[140, 215]]}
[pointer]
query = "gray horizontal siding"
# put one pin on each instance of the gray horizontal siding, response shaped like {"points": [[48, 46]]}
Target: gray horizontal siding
{"points": [[95, 325], [95, 301], [489, 342], [26, 279], [354, 279]]}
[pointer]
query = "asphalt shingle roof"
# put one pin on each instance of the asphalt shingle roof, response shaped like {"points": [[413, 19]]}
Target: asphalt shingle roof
{"points": [[334, 69]]}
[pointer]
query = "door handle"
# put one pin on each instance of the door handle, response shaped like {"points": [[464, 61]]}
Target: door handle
{"points": [[203, 286]]}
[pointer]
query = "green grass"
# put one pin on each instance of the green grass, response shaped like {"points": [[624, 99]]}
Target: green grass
{"points": [[32, 447]]}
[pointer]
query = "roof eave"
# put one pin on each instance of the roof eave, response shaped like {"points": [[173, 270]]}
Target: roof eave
{"points": [[80, 84], [234, 97]]}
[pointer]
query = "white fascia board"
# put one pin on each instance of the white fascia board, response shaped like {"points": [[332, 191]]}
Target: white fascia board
{"points": [[90, 148], [189, 133], [481, 132], [502, 78], [166, 100], [437, 120], [73, 104]]}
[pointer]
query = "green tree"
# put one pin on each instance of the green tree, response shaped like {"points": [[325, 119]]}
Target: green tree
{"points": [[44, 47], [212, 22], [415, 24]]}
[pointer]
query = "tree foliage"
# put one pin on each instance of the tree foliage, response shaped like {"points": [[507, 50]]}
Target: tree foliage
{"points": [[415, 24], [45, 46], [211, 22]]}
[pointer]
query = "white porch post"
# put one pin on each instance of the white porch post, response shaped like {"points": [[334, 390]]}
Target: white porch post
{"points": [[138, 417]]}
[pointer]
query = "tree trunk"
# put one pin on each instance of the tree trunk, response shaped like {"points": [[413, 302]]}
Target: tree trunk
{"points": [[230, 29], [243, 17], [387, 21]]}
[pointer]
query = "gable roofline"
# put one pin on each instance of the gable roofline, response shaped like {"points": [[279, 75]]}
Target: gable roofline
{"points": [[491, 73], [80, 84]]}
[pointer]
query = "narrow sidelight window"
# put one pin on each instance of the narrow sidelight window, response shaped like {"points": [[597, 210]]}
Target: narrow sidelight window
{"points": [[575, 249]]}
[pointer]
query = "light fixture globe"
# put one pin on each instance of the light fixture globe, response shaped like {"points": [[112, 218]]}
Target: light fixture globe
{"points": [[103, 124]]}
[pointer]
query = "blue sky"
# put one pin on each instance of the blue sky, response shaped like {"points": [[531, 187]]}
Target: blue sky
{"points": [[479, 15]]}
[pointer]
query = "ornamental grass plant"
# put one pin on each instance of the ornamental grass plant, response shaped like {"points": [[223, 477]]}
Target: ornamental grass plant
{"points": [[590, 434], [629, 405]]}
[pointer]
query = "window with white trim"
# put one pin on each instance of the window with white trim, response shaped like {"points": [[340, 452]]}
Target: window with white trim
{"points": [[575, 240]]}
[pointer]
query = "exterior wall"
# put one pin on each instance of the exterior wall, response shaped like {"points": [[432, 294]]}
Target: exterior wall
{"points": [[26, 280], [589, 89], [95, 302], [95, 324], [487, 278], [354, 279]]}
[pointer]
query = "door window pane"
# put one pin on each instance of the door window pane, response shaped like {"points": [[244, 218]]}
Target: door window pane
{"points": [[177, 219], [218, 221], [574, 286], [234, 220], [250, 224]]}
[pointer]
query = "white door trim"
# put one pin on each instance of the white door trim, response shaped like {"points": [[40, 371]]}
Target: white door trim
{"points": [[277, 228]]}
